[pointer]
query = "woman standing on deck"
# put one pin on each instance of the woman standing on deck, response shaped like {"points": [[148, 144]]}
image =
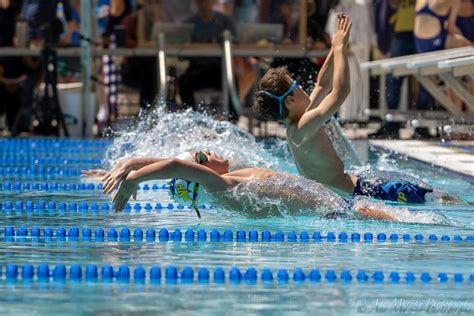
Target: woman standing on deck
{"points": [[435, 25], [435, 29]]}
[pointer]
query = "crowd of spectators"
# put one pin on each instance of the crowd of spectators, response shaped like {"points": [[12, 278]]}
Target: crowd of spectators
{"points": [[391, 27]]}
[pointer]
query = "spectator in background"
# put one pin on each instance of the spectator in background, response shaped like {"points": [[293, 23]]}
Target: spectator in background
{"points": [[113, 36], [435, 29], [140, 72], [302, 70], [400, 17], [362, 35], [435, 25], [270, 10], [113, 31], [205, 72], [175, 11], [317, 36], [242, 11], [13, 69], [245, 68], [43, 21], [8, 16]]}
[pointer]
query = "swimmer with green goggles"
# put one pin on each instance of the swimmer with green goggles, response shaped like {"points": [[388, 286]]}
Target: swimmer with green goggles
{"points": [[206, 170], [182, 191]]}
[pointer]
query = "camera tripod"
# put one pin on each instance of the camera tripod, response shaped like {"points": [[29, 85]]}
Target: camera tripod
{"points": [[49, 115]]}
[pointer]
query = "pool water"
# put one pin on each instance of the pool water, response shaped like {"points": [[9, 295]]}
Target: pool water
{"points": [[339, 252]]}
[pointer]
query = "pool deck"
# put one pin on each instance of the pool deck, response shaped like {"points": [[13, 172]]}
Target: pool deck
{"points": [[456, 156]]}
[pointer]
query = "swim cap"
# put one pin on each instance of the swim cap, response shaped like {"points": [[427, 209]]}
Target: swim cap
{"points": [[187, 156], [183, 191]]}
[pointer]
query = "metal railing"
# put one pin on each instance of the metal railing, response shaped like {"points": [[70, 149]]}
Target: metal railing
{"points": [[447, 64]]}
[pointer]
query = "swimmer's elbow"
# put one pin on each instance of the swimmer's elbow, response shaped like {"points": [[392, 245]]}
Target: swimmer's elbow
{"points": [[341, 92], [173, 164]]}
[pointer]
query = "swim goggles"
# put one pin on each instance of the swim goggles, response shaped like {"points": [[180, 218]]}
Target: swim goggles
{"points": [[201, 157], [282, 97]]}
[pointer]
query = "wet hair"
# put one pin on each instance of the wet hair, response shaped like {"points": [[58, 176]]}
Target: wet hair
{"points": [[274, 81]]}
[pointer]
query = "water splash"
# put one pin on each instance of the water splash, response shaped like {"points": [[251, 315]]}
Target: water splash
{"points": [[163, 134], [282, 195], [343, 145], [288, 196]]}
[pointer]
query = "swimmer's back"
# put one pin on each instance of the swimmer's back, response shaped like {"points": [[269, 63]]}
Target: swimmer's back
{"points": [[316, 159]]}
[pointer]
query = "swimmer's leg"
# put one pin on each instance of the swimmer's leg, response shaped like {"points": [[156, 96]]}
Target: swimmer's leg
{"points": [[379, 211], [439, 197], [372, 212]]}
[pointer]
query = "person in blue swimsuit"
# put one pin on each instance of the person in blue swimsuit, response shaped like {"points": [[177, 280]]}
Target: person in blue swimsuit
{"points": [[435, 29], [435, 25]]}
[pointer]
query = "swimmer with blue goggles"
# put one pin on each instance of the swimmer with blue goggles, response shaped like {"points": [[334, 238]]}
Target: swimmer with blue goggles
{"points": [[281, 98]]}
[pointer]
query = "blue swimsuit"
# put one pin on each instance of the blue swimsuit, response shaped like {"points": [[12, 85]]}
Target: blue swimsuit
{"points": [[424, 45]]}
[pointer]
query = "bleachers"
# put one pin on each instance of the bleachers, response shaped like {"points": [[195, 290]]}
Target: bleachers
{"points": [[449, 65]]}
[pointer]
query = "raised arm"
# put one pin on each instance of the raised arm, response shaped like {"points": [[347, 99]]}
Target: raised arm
{"points": [[324, 81], [453, 15], [312, 120], [166, 169]]}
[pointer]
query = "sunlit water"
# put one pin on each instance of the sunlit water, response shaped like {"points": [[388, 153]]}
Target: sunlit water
{"points": [[167, 135]]}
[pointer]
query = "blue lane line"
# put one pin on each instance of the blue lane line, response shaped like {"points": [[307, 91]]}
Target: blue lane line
{"points": [[51, 206], [188, 274], [45, 186], [22, 172], [214, 235]]}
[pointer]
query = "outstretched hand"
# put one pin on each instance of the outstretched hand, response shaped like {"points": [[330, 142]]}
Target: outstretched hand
{"points": [[343, 31], [113, 178], [126, 189]]}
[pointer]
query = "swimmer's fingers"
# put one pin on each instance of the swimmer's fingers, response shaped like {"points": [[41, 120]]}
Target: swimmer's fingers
{"points": [[119, 201], [86, 172], [347, 25], [107, 176], [338, 23], [106, 185], [113, 171], [112, 185], [123, 195], [344, 22]]}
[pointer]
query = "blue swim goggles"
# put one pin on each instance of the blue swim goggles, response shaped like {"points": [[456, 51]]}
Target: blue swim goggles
{"points": [[282, 97]]}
